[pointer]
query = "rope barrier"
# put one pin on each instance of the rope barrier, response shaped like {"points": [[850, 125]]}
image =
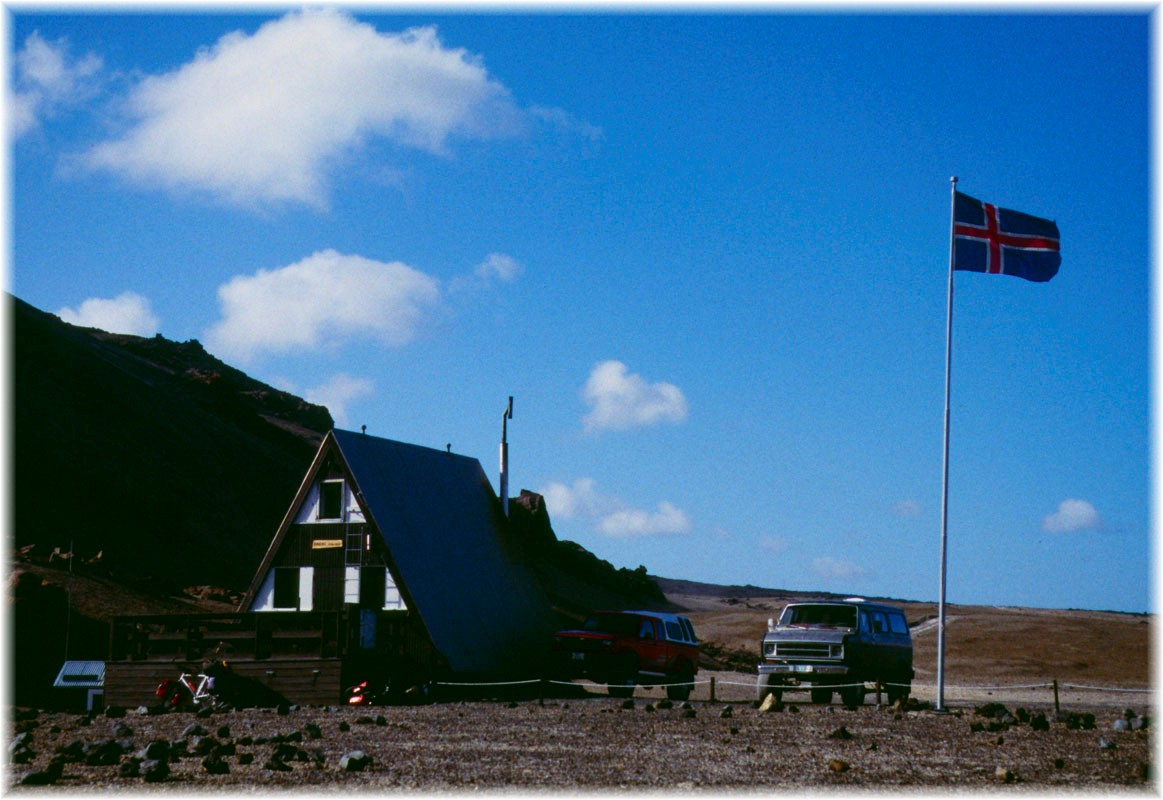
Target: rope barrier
{"points": [[836, 686]]}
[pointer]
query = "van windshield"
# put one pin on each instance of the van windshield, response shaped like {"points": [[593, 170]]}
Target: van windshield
{"points": [[818, 616]]}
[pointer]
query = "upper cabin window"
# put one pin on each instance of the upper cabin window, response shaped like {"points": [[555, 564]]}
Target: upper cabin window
{"points": [[331, 500]]}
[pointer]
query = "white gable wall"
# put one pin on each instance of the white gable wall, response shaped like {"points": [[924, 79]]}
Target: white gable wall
{"points": [[309, 511]]}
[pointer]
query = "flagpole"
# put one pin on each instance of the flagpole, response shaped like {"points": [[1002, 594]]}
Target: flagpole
{"points": [[945, 469]]}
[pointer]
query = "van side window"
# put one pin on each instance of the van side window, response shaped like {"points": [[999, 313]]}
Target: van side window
{"points": [[646, 631], [879, 624], [897, 624], [673, 631]]}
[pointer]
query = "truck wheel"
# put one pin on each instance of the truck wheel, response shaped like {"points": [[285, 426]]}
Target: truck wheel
{"points": [[681, 688], [821, 696], [622, 684], [764, 686], [852, 696]]}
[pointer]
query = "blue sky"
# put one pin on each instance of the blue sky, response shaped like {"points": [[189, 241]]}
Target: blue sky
{"points": [[706, 253]]}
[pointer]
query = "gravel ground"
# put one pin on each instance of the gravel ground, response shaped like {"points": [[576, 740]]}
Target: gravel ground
{"points": [[588, 742]]}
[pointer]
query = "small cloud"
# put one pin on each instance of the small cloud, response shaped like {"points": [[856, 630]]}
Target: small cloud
{"points": [[907, 509], [609, 515], [832, 569], [338, 392], [128, 313], [46, 79], [496, 267], [321, 301], [568, 502], [665, 519], [620, 400], [500, 266], [773, 544], [1072, 516]]}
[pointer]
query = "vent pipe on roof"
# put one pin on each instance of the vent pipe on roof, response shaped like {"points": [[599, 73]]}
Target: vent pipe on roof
{"points": [[505, 417]]}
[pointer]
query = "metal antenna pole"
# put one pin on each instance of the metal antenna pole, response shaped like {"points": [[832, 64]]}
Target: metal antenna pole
{"points": [[945, 468], [505, 417]]}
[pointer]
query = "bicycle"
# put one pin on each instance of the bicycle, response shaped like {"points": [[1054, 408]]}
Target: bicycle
{"points": [[189, 690]]}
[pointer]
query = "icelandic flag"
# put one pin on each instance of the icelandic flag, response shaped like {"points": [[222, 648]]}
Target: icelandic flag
{"points": [[1003, 242]]}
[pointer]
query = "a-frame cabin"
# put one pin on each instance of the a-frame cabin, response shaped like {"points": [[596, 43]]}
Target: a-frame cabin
{"points": [[394, 561], [415, 540]]}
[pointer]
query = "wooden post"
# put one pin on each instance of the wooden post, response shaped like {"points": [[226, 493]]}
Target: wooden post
{"points": [[1057, 707], [712, 688]]}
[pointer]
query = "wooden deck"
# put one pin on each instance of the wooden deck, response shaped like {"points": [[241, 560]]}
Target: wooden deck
{"points": [[307, 658]]}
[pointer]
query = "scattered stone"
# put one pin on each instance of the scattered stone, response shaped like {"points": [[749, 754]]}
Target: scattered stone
{"points": [[976, 727], [1005, 775], [838, 765], [727, 712], [649, 708], [20, 741], [344, 727], [154, 771], [193, 729], [381, 720], [214, 765], [45, 777], [277, 765], [363, 719], [157, 750], [628, 705], [992, 711], [312, 731], [1106, 744], [122, 731], [999, 741], [223, 732], [665, 705], [770, 703], [141, 711], [1038, 722], [689, 712], [245, 758], [130, 768], [104, 754], [355, 761], [793, 709], [840, 733], [1059, 763], [1121, 724]]}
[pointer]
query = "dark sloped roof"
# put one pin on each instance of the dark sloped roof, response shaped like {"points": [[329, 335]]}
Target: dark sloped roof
{"points": [[443, 525]]}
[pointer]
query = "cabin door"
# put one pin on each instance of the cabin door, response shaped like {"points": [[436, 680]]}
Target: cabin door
{"points": [[328, 588]]}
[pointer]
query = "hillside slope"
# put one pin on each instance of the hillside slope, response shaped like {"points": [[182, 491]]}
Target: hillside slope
{"points": [[174, 466]]}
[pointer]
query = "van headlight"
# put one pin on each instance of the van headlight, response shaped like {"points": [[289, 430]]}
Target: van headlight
{"points": [[769, 648], [836, 651]]}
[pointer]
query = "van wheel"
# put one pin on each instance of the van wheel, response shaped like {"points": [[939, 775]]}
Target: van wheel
{"points": [[821, 696], [852, 696]]}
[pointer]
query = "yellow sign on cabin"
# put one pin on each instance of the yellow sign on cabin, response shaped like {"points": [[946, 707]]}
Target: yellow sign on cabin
{"points": [[326, 544]]}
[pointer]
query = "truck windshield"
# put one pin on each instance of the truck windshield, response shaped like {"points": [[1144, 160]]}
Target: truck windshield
{"points": [[823, 616]]}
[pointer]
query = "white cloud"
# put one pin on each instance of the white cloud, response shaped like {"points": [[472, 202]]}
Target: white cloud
{"points": [[340, 390], [609, 515], [322, 300], [665, 519], [832, 569], [621, 400], [46, 79], [262, 118], [1072, 516], [127, 313]]}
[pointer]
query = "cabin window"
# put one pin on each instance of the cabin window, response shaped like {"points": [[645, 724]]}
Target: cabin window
{"points": [[286, 587], [331, 500]]}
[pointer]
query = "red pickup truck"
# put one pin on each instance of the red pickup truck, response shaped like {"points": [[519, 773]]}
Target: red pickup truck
{"points": [[624, 648]]}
